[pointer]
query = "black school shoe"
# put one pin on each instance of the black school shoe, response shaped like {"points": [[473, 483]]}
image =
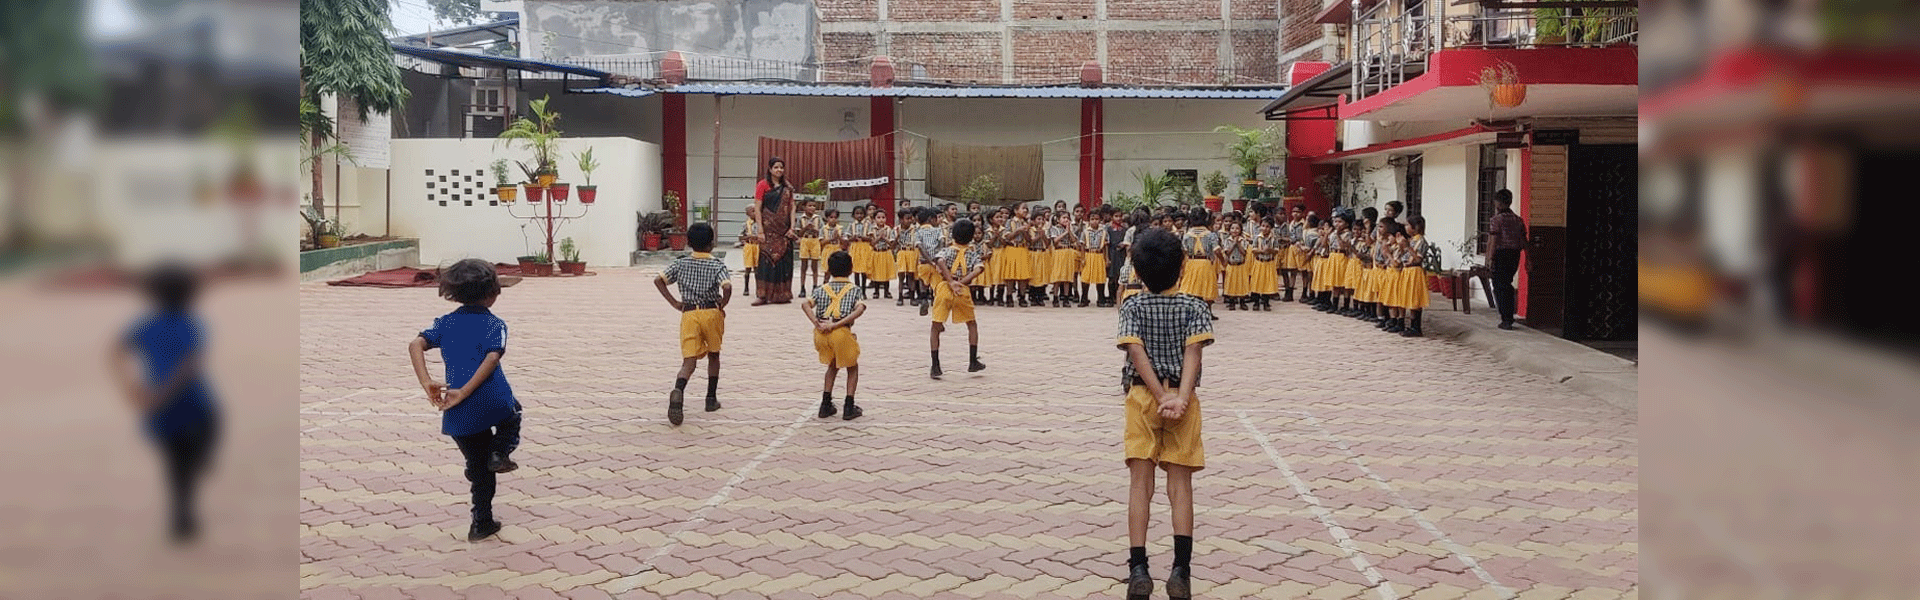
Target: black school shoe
{"points": [[826, 408], [499, 463], [1179, 584], [852, 412], [713, 404], [482, 530], [1139, 583], [675, 406]]}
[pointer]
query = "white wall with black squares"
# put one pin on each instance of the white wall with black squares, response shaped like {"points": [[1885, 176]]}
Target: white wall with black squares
{"points": [[461, 187]]}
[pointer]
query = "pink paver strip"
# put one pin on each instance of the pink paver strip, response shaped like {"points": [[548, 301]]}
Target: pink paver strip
{"points": [[1005, 482]]}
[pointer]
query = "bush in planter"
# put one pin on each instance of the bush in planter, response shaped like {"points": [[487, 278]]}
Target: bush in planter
{"points": [[587, 164], [652, 226], [570, 258]]}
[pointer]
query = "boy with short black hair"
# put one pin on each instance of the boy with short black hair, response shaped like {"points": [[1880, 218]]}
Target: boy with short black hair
{"points": [[481, 413], [705, 288], [956, 266], [1162, 332], [832, 308]]}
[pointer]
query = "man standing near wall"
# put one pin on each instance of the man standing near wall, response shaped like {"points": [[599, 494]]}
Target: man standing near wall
{"points": [[1506, 237]]}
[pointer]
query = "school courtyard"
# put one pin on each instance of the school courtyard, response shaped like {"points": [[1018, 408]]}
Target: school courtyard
{"points": [[1342, 462]]}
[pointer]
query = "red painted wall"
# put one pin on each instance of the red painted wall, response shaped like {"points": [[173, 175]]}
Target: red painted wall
{"points": [[1306, 139]]}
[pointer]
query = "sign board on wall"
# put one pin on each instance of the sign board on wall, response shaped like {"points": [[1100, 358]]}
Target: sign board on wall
{"points": [[1510, 140], [1556, 137], [369, 142]]}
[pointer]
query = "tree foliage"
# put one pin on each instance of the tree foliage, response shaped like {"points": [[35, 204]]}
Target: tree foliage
{"points": [[344, 52]]}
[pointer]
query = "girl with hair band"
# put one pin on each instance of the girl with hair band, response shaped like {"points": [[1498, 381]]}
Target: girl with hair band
{"points": [[1266, 265], [880, 269], [1233, 248], [906, 255], [1413, 277], [1094, 241], [1018, 268], [860, 245], [1065, 257], [1041, 248]]}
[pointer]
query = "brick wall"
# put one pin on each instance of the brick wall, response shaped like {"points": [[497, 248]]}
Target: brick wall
{"points": [[1184, 56], [1051, 56], [944, 10], [1062, 10], [957, 57], [1254, 10], [1163, 10], [1299, 28], [842, 55], [1254, 58], [836, 11]]}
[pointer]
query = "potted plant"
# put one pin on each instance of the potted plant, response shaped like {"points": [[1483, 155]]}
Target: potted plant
{"points": [[651, 227], [557, 191], [1216, 184], [527, 263], [1249, 149], [535, 191], [814, 190], [587, 165], [541, 135], [503, 183], [985, 189], [570, 258], [1549, 26], [1502, 84], [329, 233], [542, 265]]}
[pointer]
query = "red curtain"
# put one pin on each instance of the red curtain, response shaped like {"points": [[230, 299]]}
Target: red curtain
{"points": [[864, 158]]}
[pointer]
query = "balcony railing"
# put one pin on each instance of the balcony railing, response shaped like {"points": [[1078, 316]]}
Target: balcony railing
{"points": [[1392, 40]]}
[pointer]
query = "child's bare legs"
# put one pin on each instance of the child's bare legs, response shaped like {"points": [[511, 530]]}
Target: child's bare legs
{"points": [[933, 341], [1179, 496], [1140, 500], [686, 368], [853, 381], [973, 348], [713, 381]]}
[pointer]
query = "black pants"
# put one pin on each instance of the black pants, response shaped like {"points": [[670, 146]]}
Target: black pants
{"points": [[478, 449], [1506, 263], [188, 455]]}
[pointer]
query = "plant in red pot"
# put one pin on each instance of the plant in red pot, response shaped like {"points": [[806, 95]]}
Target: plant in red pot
{"points": [[652, 227], [1215, 184], [570, 263], [558, 191], [542, 265], [587, 164]]}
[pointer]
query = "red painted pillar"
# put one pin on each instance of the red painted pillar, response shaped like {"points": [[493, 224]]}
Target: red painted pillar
{"points": [[1306, 140], [1092, 151], [673, 145], [882, 125], [1526, 210]]}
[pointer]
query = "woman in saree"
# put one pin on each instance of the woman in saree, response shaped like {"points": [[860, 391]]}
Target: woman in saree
{"points": [[773, 200]]}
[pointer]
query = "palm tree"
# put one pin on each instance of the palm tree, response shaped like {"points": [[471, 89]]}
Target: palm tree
{"points": [[343, 52]]}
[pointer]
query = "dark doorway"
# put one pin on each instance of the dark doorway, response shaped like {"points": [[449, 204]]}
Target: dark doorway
{"points": [[1602, 242], [1412, 189], [1855, 290]]}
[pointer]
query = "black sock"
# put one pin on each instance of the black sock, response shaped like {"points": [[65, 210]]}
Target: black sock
{"points": [[1182, 549], [973, 353], [1137, 555], [936, 360], [826, 397], [713, 387], [849, 399], [680, 384]]}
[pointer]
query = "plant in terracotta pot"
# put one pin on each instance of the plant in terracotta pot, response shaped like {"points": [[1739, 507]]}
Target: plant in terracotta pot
{"points": [[587, 164], [1549, 26], [542, 264], [1248, 150], [570, 258], [535, 191], [676, 233], [1216, 184], [652, 226], [1502, 84], [503, 183], [541, 135]]}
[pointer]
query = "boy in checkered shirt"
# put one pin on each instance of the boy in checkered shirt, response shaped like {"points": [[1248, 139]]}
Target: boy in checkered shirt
{"points": [[705, 288], [832, 307], [1162, 332]]}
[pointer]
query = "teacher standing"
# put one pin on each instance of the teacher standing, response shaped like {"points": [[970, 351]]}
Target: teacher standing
{"points": [[773, 201]]}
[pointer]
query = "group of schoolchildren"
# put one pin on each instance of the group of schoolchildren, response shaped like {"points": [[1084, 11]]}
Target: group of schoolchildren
{"points": [[1163, 272]]}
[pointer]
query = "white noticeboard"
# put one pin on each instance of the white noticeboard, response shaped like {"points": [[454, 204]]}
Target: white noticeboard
{"points": [[369, 142]]}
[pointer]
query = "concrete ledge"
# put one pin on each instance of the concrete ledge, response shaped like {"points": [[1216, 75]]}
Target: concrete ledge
{"points": [[1612, 379], [348, 261]]}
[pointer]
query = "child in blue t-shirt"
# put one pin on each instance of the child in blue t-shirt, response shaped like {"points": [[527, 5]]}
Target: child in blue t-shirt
{"points": [[477, 406], [181, 417]]}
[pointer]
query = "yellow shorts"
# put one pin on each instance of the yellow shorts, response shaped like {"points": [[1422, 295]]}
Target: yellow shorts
{"points": [[827, 250], [945, 305], [810, 249], [1159, 440], [838, 348], [750, 256], [700, 332]]}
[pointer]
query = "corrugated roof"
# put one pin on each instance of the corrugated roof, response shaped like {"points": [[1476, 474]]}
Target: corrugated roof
{"points": [[789, 89], [485, 61]]}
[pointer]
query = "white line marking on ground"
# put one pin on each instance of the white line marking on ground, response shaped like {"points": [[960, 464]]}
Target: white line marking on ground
{"points": [[625, 584], [1458, 551], [613, 420], [1326, 517]]}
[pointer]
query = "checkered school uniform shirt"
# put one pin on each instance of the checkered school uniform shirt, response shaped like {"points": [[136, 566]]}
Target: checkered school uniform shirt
{"points": [[699, 277], [822, 301], [1164, 324], [976, 256]]}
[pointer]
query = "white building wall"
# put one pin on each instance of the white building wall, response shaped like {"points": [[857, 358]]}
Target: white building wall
{"points": [[1448, 193], [1157, 135], [1732, 222], [628, 180]]}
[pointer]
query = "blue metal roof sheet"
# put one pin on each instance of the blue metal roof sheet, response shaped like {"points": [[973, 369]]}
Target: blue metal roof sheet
{"points": [[785, 89]]}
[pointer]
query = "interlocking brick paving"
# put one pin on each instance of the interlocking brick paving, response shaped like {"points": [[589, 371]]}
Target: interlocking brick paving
{"points": [[1342, 462]]}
